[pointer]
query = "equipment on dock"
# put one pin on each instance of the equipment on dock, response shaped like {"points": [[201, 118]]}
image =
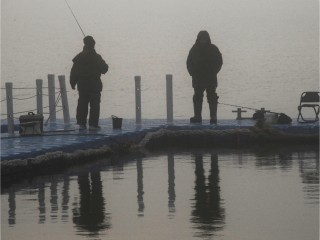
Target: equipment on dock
{"points": [[271, 117], [309, 100], [116, 122], [31, 124], [284, 119], [262, 115]]}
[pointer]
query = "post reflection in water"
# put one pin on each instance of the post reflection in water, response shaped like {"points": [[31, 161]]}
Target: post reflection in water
{"points": [[12, 207], [65, 199], [285, 160], [140, 188], [309, 172], [77, 201], [54, 198], [171, 184], [89, 215], [207, 214], [42, 203]]}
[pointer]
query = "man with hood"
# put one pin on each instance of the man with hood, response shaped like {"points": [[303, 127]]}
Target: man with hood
{"points": [[203, 64], [85, 73]]}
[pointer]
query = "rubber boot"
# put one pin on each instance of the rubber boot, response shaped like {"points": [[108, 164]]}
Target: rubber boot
{"points": [[213, 106], [197, 118]]}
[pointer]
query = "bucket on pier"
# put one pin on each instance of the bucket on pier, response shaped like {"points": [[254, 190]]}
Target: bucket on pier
{"points": [[116, 122], [31, 124]]}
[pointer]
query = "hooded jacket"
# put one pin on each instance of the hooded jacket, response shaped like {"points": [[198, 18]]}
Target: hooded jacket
{"points": [[87, 69], [204, 62]]}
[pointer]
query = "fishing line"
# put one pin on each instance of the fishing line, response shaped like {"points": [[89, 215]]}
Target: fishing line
{"points": [[226, 104], [249, 108], [75, 17]]}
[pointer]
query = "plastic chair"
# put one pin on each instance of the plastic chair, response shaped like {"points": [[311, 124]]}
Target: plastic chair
{"points": [[309, 100]]}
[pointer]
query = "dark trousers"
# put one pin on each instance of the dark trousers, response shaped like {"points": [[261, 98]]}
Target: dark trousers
{"points": [[212, 98], [85, 98]]}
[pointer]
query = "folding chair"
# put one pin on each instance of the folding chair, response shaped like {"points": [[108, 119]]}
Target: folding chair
{"points": [[309, 100]]}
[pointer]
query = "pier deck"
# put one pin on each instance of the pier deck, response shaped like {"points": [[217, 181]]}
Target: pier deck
{"points": [[67, 138]]}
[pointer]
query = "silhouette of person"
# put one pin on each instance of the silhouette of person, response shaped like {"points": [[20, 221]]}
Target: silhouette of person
{"points": [[85, 73], [203, 64]]}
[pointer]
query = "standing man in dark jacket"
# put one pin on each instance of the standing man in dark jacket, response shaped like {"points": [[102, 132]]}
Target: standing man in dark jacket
{"points": [[85, 73], [203, 64]]}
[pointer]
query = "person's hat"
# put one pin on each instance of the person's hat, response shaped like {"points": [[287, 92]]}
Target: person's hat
{"points": [[89, 41]]}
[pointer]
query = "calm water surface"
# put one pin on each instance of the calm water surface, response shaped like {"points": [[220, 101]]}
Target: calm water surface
{"points": [[183, 195], [270, 50]]}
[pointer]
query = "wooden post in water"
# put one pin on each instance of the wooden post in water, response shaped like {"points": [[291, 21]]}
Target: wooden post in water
{"points": [[39, 84], [52, 98], [64, 98], [169, 98], [9, 107], [138, 98]]}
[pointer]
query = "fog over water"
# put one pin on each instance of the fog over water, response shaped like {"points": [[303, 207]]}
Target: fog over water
{"points": [[270, 50], [271, 55]]}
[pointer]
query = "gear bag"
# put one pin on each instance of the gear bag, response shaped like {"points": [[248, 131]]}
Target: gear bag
{"points": [[284, 119]]}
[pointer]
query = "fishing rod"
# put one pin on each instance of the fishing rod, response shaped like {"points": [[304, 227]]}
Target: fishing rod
{"points": [[75, 17], [254, 109], [231, 105]]}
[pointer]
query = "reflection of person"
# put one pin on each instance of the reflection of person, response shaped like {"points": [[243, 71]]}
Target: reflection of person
{"points": [[207, 214], [85, 73], [203, 64], [90, 214]]}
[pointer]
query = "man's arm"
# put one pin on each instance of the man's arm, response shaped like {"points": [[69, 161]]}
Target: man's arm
{"points": [[73, 78], [190, 62], [103, 67], [220, 61], [217, 59]]}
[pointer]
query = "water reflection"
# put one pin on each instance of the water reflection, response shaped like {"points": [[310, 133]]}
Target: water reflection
{"points": [[171, 185], [54, 198], [140, 188], [89, 214], [282, 158], [65, 199], [309, 172], [77, 198], [285, 160], [117, 170], [207, 214], [12, 207], [42, 203]]}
